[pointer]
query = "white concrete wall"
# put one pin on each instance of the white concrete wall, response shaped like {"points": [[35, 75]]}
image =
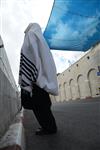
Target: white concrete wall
{"points": [[5, 66], [9, 99], [80, 80]]}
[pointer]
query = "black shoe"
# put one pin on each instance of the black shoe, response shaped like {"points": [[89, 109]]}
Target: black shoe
{"points": [[44, 132]]}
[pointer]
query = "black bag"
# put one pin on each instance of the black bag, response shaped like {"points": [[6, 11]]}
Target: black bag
{"points": [[26, 100]]}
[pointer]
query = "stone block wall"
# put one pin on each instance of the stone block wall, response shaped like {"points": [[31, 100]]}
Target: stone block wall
{"points": [[82, 79]]}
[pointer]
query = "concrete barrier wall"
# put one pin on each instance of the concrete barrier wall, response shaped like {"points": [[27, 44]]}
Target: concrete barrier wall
{"points": [[9, 95], [5, 66]]}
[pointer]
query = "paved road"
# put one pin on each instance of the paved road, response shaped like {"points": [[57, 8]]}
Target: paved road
{"points": [[78, 127]]}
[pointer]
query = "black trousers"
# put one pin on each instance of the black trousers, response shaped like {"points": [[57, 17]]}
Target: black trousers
{"points": [[42, 109], [41, 106]]}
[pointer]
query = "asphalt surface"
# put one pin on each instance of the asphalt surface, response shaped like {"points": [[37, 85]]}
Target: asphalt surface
{"points": [[78, 127]]}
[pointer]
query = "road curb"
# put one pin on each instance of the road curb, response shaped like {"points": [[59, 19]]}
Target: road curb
{"points": [[14, 138]]}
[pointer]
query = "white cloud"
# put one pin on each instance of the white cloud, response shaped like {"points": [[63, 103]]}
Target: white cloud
{"points": [[16, 15], [86, 28], [59, 13], [62, 59], [72, 37]]}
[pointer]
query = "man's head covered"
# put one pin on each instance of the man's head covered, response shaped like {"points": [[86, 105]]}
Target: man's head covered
{"points": [[33, 26]]}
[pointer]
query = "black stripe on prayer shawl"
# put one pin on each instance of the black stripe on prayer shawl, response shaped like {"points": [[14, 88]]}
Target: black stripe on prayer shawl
{"points": [[26, 66], [29, 62], [28, 71], [24, 84], [31, 69], [28, 74], [22, 72]]}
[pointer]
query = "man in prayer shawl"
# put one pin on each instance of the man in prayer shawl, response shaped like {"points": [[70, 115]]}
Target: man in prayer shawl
{"points": [[38, 78]]}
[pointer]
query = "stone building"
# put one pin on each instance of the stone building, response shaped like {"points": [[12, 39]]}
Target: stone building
{"points": [[82, 79]]}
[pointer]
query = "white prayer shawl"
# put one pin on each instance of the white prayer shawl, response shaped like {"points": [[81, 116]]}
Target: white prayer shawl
{"points": [[37, 64]]}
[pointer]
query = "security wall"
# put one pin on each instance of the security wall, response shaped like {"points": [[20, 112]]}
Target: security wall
{"points": [[82, 79], [9, 97]]}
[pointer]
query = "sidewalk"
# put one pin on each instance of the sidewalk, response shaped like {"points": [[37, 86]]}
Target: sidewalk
{"points": [[14, 138], [78, 127]]}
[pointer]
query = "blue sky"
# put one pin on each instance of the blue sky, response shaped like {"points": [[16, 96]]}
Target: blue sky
{"points": [[74, 25], [17, 14]]}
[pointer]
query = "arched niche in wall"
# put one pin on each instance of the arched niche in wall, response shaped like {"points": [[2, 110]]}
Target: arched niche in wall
{"points": [[65, 90], [81, 86], [60, 92], [72, 88], [93, 82]]}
